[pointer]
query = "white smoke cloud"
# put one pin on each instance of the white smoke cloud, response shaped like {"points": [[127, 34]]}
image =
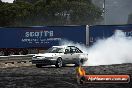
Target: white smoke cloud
{"points": [[116, 49]]}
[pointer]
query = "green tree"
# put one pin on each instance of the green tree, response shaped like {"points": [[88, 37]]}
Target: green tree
{"points": [[24, 13], [72, 12], [48, 12], [7, 14], [30, 1], [14, 14], [38, 13]]}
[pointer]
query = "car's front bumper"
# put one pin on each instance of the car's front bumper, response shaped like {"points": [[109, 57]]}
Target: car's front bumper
{"points": [[44, 61]]}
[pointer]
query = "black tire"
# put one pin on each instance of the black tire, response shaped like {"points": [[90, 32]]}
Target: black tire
{"points": [[38, 65], [59, 63], [79, 63], [63, 65]]}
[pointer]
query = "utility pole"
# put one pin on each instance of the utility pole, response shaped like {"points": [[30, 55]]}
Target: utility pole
{"points": [[104, 11]]}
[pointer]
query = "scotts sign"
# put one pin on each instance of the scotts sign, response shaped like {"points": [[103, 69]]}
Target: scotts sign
{"points": [[39, 37], [39, 34]]}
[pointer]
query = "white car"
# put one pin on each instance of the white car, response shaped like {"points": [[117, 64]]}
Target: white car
{"points": [[59, 56]]}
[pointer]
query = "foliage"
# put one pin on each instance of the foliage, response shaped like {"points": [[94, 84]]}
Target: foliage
{"points": [[48, 12]]}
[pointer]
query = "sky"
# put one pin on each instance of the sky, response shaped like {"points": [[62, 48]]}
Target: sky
{"points": [[10, 1], [116, 11]]}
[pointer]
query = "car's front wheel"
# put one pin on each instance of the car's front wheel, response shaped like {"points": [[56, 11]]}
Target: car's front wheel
{"points": [[58, 63]]}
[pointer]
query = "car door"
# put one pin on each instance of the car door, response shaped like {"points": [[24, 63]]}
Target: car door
{"points": [[81, 56], [67, 55], [75, 54]]}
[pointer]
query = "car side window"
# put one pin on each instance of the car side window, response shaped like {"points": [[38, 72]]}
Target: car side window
{"points": [[61, 50], [67, 50], [73, 49], [78, 50]]}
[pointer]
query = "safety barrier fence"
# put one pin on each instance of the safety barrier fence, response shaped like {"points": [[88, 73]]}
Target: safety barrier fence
{"points": [[15, 60]]}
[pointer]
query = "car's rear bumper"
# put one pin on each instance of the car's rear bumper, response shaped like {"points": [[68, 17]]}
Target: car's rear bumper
{"points": [[44, 62]]}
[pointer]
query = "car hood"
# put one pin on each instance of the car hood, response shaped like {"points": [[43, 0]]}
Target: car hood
{"points": [[48, 54]]}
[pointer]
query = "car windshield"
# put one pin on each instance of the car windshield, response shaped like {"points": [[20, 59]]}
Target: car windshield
{"points": [[55, 50]]}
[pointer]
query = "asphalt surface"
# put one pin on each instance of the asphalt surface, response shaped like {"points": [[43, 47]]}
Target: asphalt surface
{"points": [[65, 77]]}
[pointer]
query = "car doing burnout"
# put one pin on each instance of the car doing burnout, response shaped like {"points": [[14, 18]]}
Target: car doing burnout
{"points": [[59, 56]]}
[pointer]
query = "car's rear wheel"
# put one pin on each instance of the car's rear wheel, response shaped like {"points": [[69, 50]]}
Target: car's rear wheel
{"points": [[79, 63], [58, 63], [63, 65], [38, 65]]}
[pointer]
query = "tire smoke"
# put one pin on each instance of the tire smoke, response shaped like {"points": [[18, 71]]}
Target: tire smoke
{"points": [[116, 49]]}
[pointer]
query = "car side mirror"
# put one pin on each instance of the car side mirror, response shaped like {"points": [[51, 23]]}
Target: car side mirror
{"points": [[66, 51]]}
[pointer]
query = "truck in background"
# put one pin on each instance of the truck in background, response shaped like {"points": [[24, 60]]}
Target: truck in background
{"points": [[31, 40], [104, 31], [25, 40]]}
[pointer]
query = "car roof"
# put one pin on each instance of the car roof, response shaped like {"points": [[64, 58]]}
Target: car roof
{"points": [[63, 46], [60, 46]]}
